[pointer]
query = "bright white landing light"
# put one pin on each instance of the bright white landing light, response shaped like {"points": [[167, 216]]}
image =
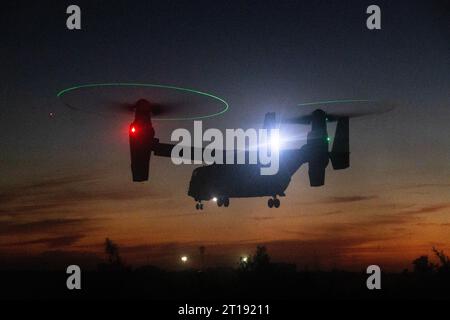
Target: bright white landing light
{"points": [[184, 259], [214, 199], [275, 141]]}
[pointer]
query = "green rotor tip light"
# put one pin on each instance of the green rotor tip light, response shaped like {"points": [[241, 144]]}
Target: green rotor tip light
{"points": [[225, 104]]}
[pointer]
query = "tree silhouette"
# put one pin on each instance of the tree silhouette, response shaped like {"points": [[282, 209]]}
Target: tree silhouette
{"points": [[422, 266], [112, 251], [444, 261], [260, 261], [261, 258]]}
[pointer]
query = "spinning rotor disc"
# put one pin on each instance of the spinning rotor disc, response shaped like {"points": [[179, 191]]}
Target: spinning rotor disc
{"points": [[167, 103]]}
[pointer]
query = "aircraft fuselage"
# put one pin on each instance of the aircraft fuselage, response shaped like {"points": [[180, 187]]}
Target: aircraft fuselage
{"points": [[243, 180]]}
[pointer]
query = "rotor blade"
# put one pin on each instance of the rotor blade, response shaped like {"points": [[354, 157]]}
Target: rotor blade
{"points": [[297, 120], [168, 108], [335, 112], [157, 109], [117, 107]]}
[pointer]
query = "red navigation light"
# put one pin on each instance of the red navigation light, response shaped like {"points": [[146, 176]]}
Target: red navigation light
{"points": [[133, 129]]}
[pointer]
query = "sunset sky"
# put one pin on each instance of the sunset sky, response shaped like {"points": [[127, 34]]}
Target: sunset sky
{"points": [[65, 183]]}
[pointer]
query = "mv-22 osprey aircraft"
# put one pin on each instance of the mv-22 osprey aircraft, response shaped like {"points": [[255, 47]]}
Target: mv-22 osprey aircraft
{"points": [[220, 182]]}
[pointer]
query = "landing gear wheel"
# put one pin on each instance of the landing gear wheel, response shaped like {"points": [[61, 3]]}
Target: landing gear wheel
{"points": [[199, 206], [226, 202], [270, 203], [276, 203], [220, 202]]}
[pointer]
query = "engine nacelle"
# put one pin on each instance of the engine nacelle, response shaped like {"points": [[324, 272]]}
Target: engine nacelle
{"points": [[141, 140], [316, 174], [340, 154], [317, 142]]}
